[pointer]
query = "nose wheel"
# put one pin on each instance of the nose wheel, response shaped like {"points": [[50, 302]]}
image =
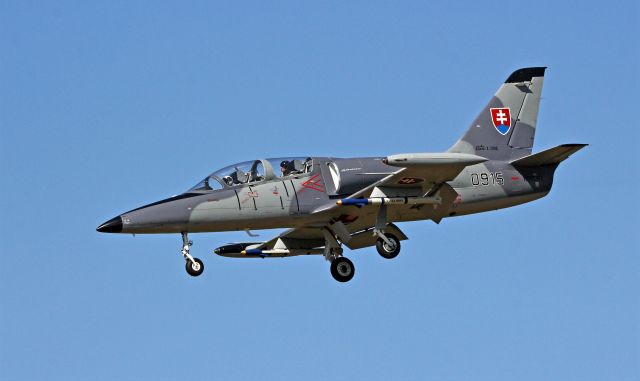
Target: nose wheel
{"points": [[342, 269], [194, 266]]}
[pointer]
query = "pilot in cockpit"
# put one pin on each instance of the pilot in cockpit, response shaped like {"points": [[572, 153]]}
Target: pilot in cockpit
{"points": [[286, 167]]}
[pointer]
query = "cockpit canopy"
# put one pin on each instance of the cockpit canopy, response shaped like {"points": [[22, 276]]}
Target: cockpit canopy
{"points": [[254, 171]]}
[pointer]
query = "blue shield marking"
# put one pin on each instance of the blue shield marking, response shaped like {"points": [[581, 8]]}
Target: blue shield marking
{"points": [[503, 129]]}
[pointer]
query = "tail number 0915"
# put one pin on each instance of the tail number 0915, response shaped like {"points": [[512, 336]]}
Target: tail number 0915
{"points": [[487, 178]]}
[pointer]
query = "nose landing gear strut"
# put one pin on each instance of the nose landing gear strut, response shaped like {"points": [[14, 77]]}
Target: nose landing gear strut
{"points": [[194, 266]]}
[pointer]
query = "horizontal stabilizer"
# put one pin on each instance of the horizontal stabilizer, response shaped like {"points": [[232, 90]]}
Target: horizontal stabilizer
{"points": [[551, 156]]}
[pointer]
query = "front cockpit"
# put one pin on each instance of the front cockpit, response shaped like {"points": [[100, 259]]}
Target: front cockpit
{"points": [[254, 171]]}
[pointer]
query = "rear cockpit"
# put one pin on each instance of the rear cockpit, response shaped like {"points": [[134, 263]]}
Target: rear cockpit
{"points": [[254, 171]]}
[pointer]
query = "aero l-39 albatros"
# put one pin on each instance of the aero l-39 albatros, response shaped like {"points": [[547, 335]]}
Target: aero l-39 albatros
{"points": [[328, 202]]}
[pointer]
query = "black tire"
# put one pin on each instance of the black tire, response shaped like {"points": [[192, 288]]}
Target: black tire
{"points": [[195, 269], [342, 269], [384, 250]]}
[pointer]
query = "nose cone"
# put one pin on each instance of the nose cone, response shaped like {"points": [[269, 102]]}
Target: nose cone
{"points": [[114, 225]]}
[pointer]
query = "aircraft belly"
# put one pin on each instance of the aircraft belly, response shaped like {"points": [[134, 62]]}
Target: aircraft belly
{"points": [[474, 194], [496, 203]]}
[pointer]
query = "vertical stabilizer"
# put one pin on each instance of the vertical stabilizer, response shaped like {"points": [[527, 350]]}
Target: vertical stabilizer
{"points": [[506, 127]]}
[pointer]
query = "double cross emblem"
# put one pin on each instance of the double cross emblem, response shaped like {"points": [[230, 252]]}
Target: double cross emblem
{"points": [[409, 180]]}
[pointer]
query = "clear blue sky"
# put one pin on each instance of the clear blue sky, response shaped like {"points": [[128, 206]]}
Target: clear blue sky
{"points": [[105, 106]]}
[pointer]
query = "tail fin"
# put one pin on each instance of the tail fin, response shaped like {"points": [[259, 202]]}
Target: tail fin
{"points": [[506, 127]]}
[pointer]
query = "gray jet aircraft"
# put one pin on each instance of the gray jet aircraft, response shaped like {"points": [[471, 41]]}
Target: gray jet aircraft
{"points": [[327, 203]]}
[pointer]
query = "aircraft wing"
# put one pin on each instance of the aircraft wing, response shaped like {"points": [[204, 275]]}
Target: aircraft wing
{"points": [[305, 239], [418, 175], [422, 170], [308, 234]]}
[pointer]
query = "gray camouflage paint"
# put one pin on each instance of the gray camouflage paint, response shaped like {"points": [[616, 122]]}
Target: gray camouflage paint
{"points": [[292, 201], [523, 99]]}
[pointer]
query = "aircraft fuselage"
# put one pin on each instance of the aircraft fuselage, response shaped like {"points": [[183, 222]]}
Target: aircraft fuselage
{"points": [[288, 202]]}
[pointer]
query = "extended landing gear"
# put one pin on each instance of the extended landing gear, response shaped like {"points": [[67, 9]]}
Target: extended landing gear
{"points": [[194, 266], [342, 269], [388, 246]]}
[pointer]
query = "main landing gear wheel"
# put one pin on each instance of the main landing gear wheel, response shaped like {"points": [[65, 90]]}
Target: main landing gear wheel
{"points": [[388, 251], [342, 269], [195, 268]]}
